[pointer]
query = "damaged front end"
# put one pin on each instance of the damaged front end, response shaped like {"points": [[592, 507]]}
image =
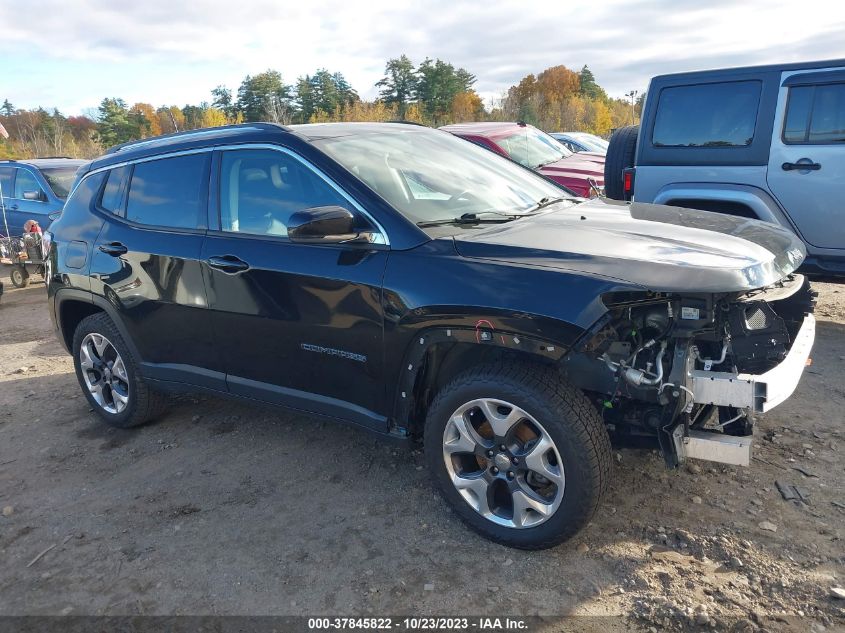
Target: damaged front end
{"points": [[693, 369]]}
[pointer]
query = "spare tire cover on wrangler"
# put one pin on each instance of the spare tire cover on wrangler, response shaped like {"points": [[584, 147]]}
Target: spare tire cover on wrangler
{"points": [[620, 156]]}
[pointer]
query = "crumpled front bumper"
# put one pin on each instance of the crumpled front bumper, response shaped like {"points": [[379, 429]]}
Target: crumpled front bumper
{"points": [[757, 392]]}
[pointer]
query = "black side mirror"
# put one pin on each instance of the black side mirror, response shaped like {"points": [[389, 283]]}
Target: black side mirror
{"points": [[325, 225]]}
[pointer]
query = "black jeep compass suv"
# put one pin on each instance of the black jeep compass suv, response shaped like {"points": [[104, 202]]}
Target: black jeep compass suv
{"points": [[411, 283]]}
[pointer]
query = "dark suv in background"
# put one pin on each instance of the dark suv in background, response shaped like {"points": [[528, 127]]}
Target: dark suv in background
{"points": [[423, 288], [33, 189], [765, 142]]}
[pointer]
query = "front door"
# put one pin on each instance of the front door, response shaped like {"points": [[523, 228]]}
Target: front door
{"points": [[806, 170], [24, 199], [297, 324]]}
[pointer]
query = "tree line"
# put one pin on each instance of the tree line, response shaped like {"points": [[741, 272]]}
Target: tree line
{"points": [[433, 92]]}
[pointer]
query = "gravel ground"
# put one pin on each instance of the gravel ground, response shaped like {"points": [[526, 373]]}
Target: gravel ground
{"points": [[220, 508]]}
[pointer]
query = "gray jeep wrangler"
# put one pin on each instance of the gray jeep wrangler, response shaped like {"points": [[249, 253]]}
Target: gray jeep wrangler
{"points": [[764, 142]]}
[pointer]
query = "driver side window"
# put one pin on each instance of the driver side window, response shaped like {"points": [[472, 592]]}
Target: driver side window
{"points": [[261, 189], [26, 182]]}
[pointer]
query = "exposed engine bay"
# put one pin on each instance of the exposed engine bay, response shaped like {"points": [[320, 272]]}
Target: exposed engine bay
{"points": [[695, 366]]}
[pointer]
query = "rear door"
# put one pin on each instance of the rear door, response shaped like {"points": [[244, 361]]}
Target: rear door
{"points": [[146, 264], [806, 170], [297, 324]]}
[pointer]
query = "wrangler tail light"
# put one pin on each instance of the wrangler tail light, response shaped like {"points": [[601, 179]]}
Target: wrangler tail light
{"points": [[628, 183]]}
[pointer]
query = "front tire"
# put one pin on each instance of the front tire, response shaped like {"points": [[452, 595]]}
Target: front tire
{"points": [[521, 455], [109, 376]]}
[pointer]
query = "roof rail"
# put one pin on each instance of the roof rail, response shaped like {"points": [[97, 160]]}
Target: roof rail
{"points": [[407, 122], [187, 134], [46, 157], [8, 160]]}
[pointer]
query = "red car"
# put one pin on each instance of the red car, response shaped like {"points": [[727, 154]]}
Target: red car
{"points": [[535, 149]]}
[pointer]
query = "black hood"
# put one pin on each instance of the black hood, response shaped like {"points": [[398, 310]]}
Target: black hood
{"points": [[665, 249]]}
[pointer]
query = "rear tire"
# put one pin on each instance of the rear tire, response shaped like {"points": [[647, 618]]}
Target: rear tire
{"points": [[109, 377], [19, 276], [620, 156], [554, 432]]}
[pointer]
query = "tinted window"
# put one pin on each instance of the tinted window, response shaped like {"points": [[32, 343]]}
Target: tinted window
{"points": [[112, 199], [261, 189], [168, 192], [25, 181], [707, 115], [6, 181], [815, 114]]}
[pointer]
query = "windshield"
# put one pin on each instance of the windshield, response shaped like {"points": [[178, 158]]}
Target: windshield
{"points": [[592, 143], [533, 148], [60, 179], [428, 175]]}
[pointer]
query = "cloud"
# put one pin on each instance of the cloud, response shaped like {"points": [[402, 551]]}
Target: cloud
{"points": [[176, 52]]}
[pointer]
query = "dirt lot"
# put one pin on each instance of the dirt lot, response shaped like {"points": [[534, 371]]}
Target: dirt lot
{"points": [[224, 509]]}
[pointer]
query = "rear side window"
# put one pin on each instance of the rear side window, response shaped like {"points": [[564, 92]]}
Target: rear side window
{"points": [[169, 192], [815, 114], [112, 198], [707, 115]]}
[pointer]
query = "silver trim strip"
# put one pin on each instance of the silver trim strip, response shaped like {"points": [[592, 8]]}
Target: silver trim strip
{"points": [[385, 240]]}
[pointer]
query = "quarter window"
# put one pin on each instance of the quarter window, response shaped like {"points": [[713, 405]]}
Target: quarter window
{"points": [[261, 189], [169, 192], [815, 114], [707, 115], [25, 182], [112, 199]]}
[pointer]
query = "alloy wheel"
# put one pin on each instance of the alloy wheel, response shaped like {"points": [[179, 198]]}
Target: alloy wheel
{"points": [[104, 373], [503, 463]]}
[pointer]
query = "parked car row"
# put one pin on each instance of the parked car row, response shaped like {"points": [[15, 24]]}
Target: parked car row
{"points": [[581, 173], [465, 295]]}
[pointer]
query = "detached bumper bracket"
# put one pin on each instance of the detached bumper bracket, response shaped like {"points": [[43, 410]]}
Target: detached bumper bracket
{"points": [[759, 393]]}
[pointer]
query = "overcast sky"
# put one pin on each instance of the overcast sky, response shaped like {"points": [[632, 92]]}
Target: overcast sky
{"points": [[71, 54]]}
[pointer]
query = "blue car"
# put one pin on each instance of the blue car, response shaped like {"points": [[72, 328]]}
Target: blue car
{"points": [[33, 189], [581, 142]]}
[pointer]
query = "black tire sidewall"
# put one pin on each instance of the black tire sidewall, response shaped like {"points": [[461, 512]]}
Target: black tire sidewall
{"points": [[101, 324], [577, 505], [621, 154]]}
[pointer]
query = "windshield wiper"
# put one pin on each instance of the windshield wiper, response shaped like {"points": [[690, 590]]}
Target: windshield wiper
{"points": [[471, 218], [549, 162], [548, 201]]}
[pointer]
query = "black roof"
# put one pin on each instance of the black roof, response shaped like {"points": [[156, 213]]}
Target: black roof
{"points": [[746, 70], [242, 133]]}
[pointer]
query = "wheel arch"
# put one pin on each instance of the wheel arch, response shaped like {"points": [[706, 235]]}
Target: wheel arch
{"points": [[436, 354], [72, 306], [752, 202]]}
